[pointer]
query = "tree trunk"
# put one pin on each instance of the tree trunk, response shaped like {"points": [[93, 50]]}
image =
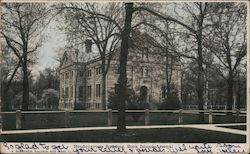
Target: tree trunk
{"points": [[200, 78], [103, 90], [167, 77], [25, 103], [200, 96], [122, 80], [77, 91], [238, 100], [229, 93]]}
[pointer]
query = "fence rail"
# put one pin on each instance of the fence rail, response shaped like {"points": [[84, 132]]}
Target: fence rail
{"points": [[207, 107], [147, 114]]}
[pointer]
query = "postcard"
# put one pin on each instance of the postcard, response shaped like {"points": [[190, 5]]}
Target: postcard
{"points": [[125, 76]]}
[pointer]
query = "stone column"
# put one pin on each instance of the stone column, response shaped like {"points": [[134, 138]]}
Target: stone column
{"points": [[18, 119], [210, 117], [146, 117], [109, 117], [180, 119]]}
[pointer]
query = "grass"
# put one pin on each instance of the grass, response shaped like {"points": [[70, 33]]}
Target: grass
{"points": [[163, 135], [52, 120], [241, 127]]}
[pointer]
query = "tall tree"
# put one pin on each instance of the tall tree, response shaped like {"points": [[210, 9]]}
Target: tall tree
{"points": [[122, 80], [47, 79], [9, 71], [95, 23], [227, 42], [21, 28], [197, 12]]}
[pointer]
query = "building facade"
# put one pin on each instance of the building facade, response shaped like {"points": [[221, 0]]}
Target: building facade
{"points": [[81, 82]]}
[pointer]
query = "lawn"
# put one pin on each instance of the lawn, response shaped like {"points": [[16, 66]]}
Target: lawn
{"points": [[241, 127], [163, 135], [77, 119]]}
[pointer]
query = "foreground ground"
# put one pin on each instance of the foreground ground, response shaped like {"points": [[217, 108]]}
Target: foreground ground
{"points": [[164, 135], [100, 119]]}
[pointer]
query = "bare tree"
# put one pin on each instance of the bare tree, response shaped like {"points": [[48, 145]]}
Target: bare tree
{"points": [[122, 80], [202, 7], [21, 28], [96, 23], [227, 42], [155, 41], [9, 69], [196, 30]]}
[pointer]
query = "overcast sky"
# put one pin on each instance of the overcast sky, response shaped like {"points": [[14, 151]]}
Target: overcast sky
{"points": [[54, 40]]}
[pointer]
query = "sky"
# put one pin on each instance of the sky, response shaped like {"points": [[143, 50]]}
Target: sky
{"points": [[54, 40]]}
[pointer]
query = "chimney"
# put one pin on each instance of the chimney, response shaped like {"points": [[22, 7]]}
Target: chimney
{"points": [[88, 46]]}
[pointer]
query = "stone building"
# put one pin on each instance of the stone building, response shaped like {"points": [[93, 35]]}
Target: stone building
{"points": [[81, 82]]}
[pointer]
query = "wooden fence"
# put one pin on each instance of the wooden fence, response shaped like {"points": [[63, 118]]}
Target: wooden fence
{"points": [[211, 113]]}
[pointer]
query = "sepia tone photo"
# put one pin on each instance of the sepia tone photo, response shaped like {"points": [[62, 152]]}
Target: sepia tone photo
{"points": [[124, 72]]}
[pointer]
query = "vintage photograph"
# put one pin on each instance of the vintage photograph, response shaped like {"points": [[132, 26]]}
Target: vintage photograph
{"points": [[124, 72]]}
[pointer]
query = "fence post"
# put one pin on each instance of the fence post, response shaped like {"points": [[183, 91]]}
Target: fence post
{"points": [[18, 119], [210, 117], [66, 118], [147, 117], [180, 120], [237, 115], [110, 117]]}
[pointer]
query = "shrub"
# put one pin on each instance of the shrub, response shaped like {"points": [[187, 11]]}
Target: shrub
{"points": [[172, 103], [133, 102], [113, 101], [79, 106], [50, 98]]}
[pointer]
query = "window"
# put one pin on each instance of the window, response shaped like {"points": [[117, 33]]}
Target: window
{"points": [[67, 75], [62, 93], [89, 73], [71, 92], [144, 72], [66, 92], [116, 88], [89, 91], [98, 90], [88, 105], [97, 105], [88, 46], [80, 91], [81, 73], [98, 70]]}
